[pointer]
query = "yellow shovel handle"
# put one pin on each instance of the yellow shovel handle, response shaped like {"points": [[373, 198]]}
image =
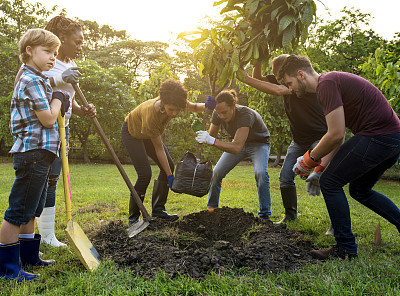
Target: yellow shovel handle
{"points": [[65, 168]]}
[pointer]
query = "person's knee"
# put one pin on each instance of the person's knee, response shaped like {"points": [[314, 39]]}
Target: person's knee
{"points": [[53, 179], [357, 192]]}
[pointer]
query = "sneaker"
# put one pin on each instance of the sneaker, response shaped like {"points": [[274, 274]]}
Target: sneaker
{"points": [[265, 219], [334, 252]]}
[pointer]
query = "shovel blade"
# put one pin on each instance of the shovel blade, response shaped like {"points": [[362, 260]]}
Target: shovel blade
{"points": [[82, 246], [137, 227]]}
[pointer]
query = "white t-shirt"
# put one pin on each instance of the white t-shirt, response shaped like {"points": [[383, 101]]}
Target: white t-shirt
{"points": [[57, 70]]}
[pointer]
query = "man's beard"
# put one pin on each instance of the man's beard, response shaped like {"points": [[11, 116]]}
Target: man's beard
{"points": [[301, 92]]}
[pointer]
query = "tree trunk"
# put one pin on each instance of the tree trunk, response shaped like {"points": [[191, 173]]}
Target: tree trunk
{"points": [[278, 156], [85, 152]]}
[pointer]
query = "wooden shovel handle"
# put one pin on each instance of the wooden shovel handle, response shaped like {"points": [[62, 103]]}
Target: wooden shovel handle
{"points": [[100, 131]]}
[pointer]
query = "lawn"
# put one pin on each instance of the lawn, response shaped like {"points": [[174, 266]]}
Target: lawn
{"points": [[100, 195]]}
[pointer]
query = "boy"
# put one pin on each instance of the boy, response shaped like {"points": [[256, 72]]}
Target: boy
{"points": [[36, 143]]}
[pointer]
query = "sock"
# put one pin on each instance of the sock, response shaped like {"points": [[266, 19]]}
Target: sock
{"points": [[27, 235]]}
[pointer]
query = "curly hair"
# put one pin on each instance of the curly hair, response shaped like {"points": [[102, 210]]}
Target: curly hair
{"points": [[228, 96], [36, 37], [60, 25], [172, 92]]}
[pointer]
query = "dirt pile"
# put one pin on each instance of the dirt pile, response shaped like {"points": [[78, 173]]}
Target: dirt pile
{"points": [[200, 242]]}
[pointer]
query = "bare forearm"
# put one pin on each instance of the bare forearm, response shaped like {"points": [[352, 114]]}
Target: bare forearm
{"points": [[196, 107], [162, 158], [267, 87], [326, 149]]}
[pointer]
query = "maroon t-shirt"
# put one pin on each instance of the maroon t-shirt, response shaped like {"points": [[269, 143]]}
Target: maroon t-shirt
{"points": [[366, 110]]}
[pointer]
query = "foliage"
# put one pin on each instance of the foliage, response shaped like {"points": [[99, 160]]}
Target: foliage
{"points": [[16, 17], [251, 31], [385, 75], [341, 44], [6, 140], [109, 90]]}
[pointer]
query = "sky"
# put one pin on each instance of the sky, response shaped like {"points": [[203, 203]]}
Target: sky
{"points": [[161, 20]]}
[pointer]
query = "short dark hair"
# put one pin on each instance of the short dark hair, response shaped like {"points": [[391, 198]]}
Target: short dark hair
{"points": [[292, 64], [173, 92], [228, 96]]}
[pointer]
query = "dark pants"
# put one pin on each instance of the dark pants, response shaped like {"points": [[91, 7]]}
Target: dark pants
{"points": [[28, 193], [359, 162], [139, 151]]}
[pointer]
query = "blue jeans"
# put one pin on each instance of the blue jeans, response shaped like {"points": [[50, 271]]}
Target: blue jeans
{"points": [[28, 193], [286, 176], [54, 175], [259, 154], [360, 161]]}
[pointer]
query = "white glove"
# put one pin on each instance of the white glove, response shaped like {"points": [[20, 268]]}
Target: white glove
{"points": [[71, 75], [204, 137], [313, 184]]}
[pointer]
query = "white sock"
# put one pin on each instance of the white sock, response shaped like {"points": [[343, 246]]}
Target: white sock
{"points": [[27, 235]]}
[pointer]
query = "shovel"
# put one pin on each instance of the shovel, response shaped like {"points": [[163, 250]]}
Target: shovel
{"points": [[77, 238], [139, 226]]}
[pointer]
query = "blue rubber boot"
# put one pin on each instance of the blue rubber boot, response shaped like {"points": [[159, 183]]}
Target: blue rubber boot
{"points": [[30, 252], [10, 268]]}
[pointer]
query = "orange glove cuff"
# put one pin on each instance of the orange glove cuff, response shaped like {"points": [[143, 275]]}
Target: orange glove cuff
{"points": [[319, 168], [308, 161]]}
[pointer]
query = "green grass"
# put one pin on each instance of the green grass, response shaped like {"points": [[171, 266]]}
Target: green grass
{"points": [[100, 194]]}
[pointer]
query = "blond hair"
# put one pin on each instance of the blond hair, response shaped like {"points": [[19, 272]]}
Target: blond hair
{"points": [[36, 37]]}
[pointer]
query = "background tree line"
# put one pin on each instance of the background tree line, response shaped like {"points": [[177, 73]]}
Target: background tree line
{"points": [[120, 72]]}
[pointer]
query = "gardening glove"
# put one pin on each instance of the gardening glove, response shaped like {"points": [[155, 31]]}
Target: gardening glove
{"points": [[70, 75], [313, 181], [210, 103], [64, 98], [89, 111], [305, 165], [204, 137], [170, 181]]}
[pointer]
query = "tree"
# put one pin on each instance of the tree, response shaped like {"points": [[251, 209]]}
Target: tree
{"points": [[384, 73], [109, 90], [341, 44], [251, 31]]}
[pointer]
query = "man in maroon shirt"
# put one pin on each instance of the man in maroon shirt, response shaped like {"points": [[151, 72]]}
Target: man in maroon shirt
{"points": [[353, 102]]}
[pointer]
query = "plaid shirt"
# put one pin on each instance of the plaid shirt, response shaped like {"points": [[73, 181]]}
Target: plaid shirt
{"points": [[32, 93]]}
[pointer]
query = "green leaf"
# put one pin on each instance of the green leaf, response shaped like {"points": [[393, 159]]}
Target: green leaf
{"points": [[288, 35], [285, 22], [201, 68], [235, 60], [256, 53], [224, 75], [187, 33], [195, 43], [307, 16], [241, 36], [219, 2], [251, 6]]}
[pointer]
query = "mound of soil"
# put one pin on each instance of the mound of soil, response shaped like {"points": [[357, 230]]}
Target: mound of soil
{"points": [[201, 242]]}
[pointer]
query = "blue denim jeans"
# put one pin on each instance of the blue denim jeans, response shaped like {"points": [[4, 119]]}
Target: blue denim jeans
{"points": [[259, 154], [286, 175], [28, 193], [54, 175], [359, 162]]}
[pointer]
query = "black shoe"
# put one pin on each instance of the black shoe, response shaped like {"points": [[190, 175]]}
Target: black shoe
{"points": [[265, 219], [164, 215], [334, 252]]}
